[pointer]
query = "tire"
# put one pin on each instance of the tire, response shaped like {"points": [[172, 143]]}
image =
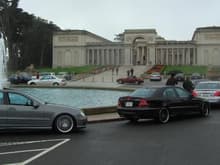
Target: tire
{"points": [[205, 110], [64, 124], [55, 84], [133, 119], [120, 82], [164, 115], [32, 83]]}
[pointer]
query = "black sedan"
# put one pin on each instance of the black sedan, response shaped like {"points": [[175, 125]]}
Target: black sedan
{"points": [[160, 103]]}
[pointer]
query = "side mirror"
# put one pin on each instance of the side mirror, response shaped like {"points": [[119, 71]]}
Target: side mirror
{"points": [[36, 105]]}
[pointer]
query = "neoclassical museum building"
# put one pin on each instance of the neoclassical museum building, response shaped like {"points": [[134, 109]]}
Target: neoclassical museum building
{"points": [[135, 47]]}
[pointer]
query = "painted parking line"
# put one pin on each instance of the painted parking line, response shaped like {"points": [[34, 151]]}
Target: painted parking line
{"points": [[42, 151]]}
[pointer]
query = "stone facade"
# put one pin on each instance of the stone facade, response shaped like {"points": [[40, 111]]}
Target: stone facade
{"points": [[135, 47]]}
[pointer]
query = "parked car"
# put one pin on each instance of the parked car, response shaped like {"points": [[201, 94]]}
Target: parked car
{"points": [[179, 77], [155, 76], [42, 74], [196, 76], [209, 90], [47, 80], [130, 79], [160, 103], [19, 78], [196, 81], [64, 75], [23, 111]]}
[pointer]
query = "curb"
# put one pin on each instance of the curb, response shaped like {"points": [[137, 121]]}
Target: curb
{"points": [[105, 120]]}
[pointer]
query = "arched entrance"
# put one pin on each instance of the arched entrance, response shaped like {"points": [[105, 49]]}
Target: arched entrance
{"points": [[139, 53]]}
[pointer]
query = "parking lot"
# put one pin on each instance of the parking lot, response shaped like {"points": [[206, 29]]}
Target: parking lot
{"points": [[183, 141]]}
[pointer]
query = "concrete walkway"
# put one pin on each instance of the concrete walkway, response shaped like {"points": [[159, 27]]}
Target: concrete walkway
{"points": [[108, 78]]}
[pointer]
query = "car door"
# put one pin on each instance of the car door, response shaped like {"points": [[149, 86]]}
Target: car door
{"points": [[45, 80], [3, 111], [172, 100], [188, 102], [22, 113]]}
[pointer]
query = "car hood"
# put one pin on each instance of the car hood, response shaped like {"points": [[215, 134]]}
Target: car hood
{"points": [[61, 108]]}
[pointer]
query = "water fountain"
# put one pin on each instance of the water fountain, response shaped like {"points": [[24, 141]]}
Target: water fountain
{"points": [[3, 62]]}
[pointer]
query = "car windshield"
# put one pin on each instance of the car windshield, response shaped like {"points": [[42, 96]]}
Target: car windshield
{"points": [[143, 92], [208, 86]]}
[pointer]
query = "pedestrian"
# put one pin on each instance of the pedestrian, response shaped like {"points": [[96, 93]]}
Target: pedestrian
{"points": [[128, 73], [113, 70], [188, 85], [172, 80], [37, 75], [132, 71], [117, 70]]}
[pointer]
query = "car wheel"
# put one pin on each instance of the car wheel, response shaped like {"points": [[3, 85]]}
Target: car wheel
{"points": [[163, 115], [55, 84], [32, 83], [133, 119], [64, 124], [120, 82], [204, 110]]}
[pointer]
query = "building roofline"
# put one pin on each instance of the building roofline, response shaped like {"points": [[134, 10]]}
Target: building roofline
{"points": [[80, 32], [140, 31], [205, 29]]}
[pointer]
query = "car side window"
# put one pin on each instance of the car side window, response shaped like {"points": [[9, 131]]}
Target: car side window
{"points": [[17, 99], [169, 93], [1, 98], [181, 93]]}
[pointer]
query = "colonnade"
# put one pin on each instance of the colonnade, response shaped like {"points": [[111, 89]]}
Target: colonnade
{"points": [[176, 56], [104, 56]]}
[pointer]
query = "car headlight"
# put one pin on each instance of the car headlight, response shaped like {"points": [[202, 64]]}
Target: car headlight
{"points": [[82, 114]]}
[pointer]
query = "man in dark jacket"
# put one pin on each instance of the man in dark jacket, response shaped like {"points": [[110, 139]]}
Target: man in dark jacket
{"points": [[188, 85], [172, 80]]}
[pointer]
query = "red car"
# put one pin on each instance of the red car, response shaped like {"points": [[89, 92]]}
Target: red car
{"points": [[131, 79]]}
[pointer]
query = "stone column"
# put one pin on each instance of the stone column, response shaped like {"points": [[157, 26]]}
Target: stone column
{"points": [[102, 54]]}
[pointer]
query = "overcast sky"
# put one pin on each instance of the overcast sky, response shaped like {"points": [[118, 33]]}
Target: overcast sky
{"points": [[172, 19]]}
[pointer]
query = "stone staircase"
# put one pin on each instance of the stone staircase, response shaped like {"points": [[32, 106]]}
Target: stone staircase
{"points": [[109, 76]]}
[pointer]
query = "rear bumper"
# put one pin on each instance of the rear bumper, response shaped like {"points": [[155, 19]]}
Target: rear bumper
{"points": [[138, 113], [212, 100]]}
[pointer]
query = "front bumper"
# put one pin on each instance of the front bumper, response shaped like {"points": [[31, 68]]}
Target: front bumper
{"points": [[82, 122]]}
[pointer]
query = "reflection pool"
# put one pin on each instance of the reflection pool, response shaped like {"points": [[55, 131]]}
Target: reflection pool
{"points": [[81, 98]]}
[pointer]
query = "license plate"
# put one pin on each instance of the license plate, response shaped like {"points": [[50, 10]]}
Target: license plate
{"points": [[129, 104], [205, 95]]}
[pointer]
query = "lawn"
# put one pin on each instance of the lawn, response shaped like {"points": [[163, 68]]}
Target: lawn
{"points": [[186, 69]]}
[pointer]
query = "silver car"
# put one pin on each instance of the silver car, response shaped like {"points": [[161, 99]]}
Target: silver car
{"points": [[210, 90], [48, 80], [21, 111]]}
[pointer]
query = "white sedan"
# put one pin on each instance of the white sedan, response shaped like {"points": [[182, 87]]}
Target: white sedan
{"points": [[48, 80], [155, 76]]}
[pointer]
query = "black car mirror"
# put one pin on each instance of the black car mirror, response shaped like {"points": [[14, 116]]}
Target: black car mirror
{"points": [[36, 105]]}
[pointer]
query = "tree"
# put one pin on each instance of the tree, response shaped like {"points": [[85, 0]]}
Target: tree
{"points": [[28, 38]]}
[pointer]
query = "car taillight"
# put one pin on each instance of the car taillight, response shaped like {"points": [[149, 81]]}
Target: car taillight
{"points": [[217, 93], [194, 93], [119, 103], [143, 103]]}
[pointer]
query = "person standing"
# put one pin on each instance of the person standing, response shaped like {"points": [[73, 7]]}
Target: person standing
{"points": [[188, 85], [128, 73], [132, 71], [113, 70], [117, 70], [172, 80]]}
